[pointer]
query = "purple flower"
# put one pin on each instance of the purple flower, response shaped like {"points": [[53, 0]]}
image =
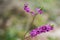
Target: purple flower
{"points": [[49, 27], [26, 8], [46, 28], [33, 33], [39, 10], [42, 29], [39, 31]]}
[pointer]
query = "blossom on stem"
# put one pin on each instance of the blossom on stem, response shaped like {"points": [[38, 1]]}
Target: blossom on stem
{"points": [[39, 10], [42, 29], [33, 32], [26, 8]]}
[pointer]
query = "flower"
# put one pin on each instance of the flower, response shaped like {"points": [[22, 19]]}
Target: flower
{"points": [[39, 10], [26, 8], [41, 29], [33, 33], [49, 27], [46, 28]]}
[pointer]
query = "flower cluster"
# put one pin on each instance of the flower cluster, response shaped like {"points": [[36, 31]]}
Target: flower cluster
{"points": [[42, 29], [27, 9]]}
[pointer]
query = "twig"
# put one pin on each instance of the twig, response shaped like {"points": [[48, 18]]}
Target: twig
{"points": [[31, 24]]}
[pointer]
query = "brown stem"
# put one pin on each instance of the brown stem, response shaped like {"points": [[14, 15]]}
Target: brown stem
{"points": [[30, 24]]}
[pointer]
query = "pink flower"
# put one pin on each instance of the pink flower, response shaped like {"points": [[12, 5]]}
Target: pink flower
{"points": [[33, 33], [39, 10], [26, 8], [42, 29]]}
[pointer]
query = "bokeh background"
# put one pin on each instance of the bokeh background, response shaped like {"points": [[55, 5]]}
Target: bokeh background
{"points": [[15, 22]]}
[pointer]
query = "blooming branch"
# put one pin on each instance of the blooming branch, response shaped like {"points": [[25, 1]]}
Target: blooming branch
{"points": [[42, 29]]}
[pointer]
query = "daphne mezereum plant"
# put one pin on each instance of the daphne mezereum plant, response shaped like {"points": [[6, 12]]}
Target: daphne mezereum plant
{"points": [[41, 29]]}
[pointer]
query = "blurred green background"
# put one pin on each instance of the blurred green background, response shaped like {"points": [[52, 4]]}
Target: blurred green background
{"points": [[15, 22]]}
